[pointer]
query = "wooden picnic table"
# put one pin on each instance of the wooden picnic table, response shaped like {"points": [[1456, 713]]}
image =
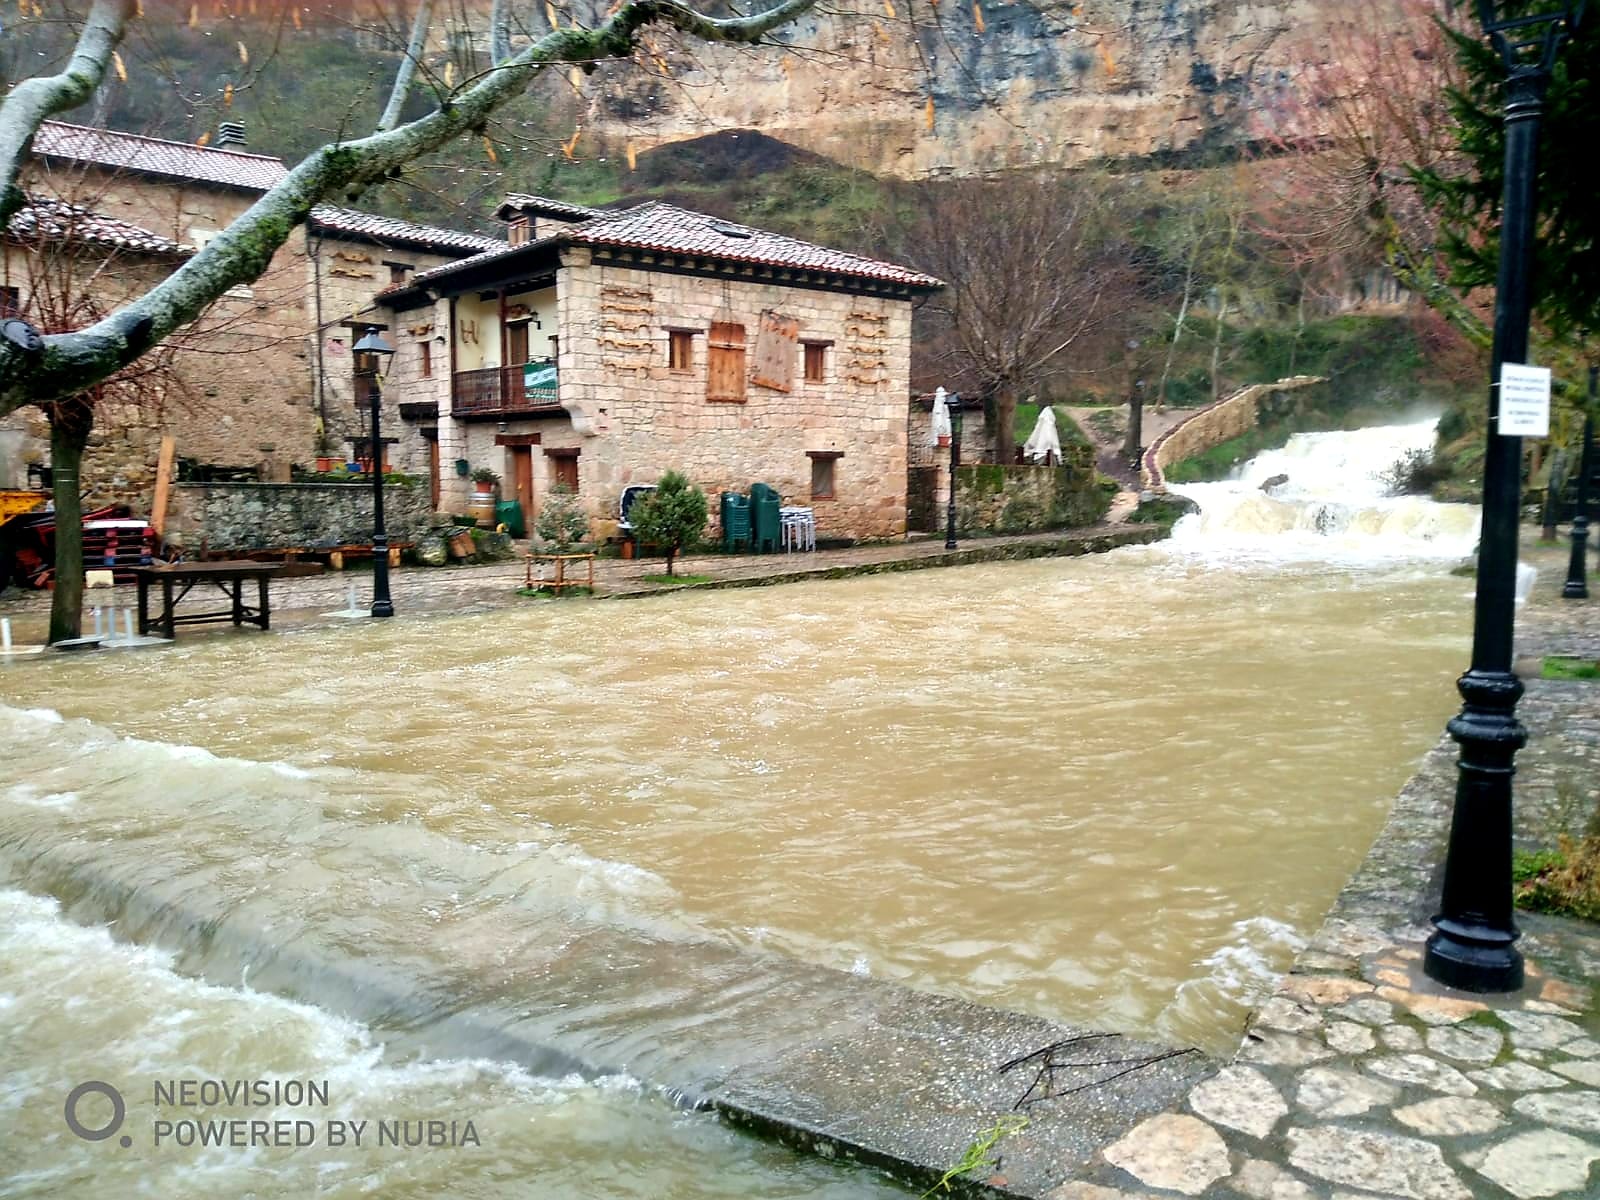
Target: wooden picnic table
{"points": [[228, 576]]}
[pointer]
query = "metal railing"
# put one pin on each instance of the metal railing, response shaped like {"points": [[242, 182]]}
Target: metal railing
{"points": [[498, 391]]}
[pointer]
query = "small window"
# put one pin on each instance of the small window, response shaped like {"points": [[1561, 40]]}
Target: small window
{"points": [[427, 360], [680, 350], [816, 361], [521, 231], [725, 362], [822, 478], [563, 469], [397, 272]]}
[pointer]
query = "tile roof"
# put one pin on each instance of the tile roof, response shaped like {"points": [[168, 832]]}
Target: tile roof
{"points": [[673, 230], [392, 229], [43, 218], [518, 201], [155, 156], [665, 227]]}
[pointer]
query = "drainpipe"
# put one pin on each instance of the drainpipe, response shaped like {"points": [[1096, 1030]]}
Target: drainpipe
{"points": [[318, 369]]}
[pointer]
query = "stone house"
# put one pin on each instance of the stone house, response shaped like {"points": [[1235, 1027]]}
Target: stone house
{"points": [[603, 348]]}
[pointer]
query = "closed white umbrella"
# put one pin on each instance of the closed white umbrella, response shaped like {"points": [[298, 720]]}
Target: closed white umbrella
{"points": [[940, 434], [1044, 440]]}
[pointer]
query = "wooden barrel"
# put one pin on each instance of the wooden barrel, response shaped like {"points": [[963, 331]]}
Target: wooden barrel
{"points": [[482, 509]]}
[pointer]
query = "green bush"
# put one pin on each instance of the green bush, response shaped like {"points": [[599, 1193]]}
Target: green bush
{"points": [[562, 521], [672, 516]]}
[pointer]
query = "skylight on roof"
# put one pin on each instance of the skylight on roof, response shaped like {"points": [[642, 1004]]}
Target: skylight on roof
{"points": [[730, 230]]}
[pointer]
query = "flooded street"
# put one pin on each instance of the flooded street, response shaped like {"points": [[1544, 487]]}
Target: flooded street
{"points": [[1114, 791]]}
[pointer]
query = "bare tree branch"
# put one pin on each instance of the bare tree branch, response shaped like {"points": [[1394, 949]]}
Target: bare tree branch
{"points": [[72, 362], [33, 101], [407, 70]]}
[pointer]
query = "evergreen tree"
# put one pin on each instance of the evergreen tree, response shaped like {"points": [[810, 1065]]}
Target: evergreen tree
{"points": [[672, 517], [1566, 277]]}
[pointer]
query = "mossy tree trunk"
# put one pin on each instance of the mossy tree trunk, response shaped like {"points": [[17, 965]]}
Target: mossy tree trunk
{"points": [[71, 422]]}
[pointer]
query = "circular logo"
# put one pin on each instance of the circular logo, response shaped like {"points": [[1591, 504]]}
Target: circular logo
{"points": [[88, 1132]]}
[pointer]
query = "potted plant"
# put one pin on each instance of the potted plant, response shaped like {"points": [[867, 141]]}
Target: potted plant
{"points": [[483, 480]]}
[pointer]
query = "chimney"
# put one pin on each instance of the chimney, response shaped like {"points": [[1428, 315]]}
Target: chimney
{"points": [[230, 135]]}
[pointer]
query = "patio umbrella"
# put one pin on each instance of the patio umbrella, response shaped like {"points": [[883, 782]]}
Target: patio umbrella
{"points": [[941, 419], [1043, 441]]}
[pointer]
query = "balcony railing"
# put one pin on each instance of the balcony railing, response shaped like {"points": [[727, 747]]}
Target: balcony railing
{"points": [[504, 391]]}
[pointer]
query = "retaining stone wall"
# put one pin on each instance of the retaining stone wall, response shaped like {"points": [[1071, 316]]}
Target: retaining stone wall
{"points": [[1228, 418], [277, 516], [1011, 499]]}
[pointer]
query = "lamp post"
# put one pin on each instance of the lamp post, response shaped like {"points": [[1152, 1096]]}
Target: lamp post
{"points": [[382, 606], [953, 406], [1473, 943], [1577, 585]]}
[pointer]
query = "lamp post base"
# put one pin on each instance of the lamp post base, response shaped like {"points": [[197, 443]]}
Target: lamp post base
{"points": [[382, 608], [1472, 959]]}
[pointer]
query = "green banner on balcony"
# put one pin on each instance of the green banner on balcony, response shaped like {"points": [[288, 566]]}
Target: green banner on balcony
{"points": [[539, 376]]}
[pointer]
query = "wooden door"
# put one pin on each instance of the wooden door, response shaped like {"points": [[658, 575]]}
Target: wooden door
{"points": [[516, 343], [433, 473], [522, 482]]}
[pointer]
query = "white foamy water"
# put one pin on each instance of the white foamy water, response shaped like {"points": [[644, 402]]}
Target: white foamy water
{"points": [[78, 1005], [1332, 504]]}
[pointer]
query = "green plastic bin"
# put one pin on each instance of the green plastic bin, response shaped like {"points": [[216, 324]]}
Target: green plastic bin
{"points": [[765, 520], [509, 514], [735, 516]]}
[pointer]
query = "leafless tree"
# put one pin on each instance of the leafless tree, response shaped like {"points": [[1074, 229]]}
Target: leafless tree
{"points": [[1034, 267]]}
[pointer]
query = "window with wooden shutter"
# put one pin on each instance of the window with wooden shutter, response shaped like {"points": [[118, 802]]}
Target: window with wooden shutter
{"points": [[816, 364], [725, 362], [680, 350]]}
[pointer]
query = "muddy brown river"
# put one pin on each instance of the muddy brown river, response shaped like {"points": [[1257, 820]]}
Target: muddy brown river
{"points": [[1115, 791]]}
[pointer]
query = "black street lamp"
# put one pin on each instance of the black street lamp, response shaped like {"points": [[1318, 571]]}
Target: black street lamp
{"points": [[953, 407], [1577, 585], [1473, 943], [382, 606]]}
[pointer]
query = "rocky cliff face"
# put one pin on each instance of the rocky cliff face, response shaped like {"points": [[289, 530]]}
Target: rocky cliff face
{"points": [[909, 87]]}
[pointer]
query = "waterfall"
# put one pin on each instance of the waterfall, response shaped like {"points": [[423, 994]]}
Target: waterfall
{"points": [[1325, 495]]}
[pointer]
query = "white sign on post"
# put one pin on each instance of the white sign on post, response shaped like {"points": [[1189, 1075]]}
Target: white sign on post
{"points": [[1524, 400]]}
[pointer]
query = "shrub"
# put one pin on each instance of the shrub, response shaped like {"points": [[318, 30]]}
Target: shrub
{"points": [[672, 517], [1565, 882], [1414, 473], [562, 521]]}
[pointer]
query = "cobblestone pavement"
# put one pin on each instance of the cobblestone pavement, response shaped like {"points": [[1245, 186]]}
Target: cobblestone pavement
{"points": [[494, 585], [1362, 1078]]}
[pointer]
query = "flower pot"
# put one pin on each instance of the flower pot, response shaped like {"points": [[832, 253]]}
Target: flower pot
{"points": [[483, 489], [944, 440], [325, 463]]}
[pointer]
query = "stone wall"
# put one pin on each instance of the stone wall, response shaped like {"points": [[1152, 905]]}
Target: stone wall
{"points": [[924, 489], [276, 516], [1010, 499], [1228, 418]]}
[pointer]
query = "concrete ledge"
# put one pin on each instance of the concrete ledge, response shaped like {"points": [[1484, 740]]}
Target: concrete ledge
{"points": [[1069, 544], [847, 1067]]}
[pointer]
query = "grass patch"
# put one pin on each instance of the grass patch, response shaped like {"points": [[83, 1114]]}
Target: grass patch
{"points": [[1563, 882], [1164, 513], [675, 579], [1562, 667]]}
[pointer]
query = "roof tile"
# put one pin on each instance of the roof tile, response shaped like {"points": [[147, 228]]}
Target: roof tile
{"points": [[156, 156], [393, 229], [44, 218], [665, 227]]}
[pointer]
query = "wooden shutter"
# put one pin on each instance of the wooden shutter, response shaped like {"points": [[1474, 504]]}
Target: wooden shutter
{"points": [[725, 362], [775, 346]]}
